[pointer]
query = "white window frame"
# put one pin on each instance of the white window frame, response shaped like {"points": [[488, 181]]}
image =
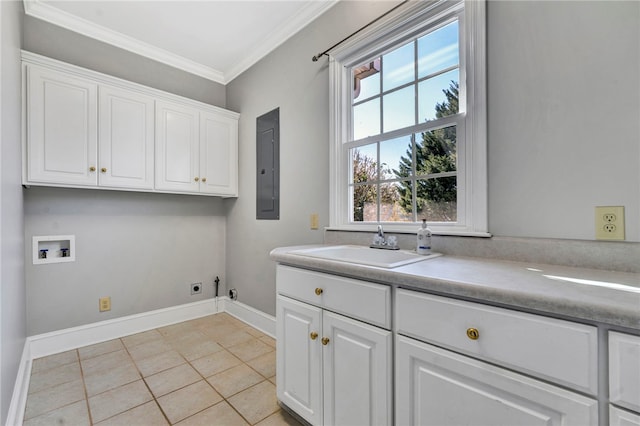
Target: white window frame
{"points": [[393, 30]]}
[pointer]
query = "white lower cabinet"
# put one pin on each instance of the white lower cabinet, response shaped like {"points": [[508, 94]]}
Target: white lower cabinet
{"points": [[332, 369], [624, 379], [463, 363], [435, 386]]}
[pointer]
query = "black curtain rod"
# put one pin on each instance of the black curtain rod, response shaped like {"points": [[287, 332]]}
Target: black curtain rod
{"points": [[320, 55]]}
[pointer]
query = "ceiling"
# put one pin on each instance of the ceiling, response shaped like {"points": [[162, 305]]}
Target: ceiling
{"points": [[215, 39]]}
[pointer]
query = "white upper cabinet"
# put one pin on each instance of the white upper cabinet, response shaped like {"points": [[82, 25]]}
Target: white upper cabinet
{"points": [[177, 148], [90, 130], [125, 139], [218, 154], [61, 129]]}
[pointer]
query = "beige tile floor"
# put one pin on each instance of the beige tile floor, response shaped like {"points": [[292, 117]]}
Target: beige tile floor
{"points": [[214, 370]]}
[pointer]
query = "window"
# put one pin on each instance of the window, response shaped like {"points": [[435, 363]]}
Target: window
{"points": [[408, 122]]}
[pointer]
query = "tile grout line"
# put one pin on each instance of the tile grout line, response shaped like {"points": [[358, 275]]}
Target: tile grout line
{"points": [[171, 344]]}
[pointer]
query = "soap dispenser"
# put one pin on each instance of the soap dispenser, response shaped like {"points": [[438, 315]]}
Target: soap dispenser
{"points": [[424, 239]]}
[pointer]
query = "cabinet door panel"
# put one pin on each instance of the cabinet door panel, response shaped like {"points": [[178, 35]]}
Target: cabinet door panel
{"points": [[218, 155], [619, 417], [298, 364], [624, 370], [439, 387], [357, 372], [61, 128], [177, 148], [126, 139]]}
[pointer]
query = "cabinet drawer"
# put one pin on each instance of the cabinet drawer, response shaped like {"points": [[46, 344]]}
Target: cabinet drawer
{"points": [[624, 370], [559, 351], [357, 299]]}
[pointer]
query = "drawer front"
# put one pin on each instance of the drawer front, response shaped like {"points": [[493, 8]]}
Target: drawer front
{"points": [[624, 370], [559, 351], [357, 299]]}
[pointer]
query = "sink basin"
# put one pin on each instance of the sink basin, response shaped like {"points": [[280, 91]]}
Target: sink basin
{"points": [[365, 255]]}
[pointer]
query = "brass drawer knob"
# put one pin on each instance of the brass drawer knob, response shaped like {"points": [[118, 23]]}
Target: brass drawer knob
{"points": [[92, 169], [325, 341], [204, 179], [473, 333], [103, 170], [319, 291], [196, 178], [313, 335]]}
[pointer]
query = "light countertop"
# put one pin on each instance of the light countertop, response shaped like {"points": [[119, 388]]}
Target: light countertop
{"points": [[591, 295]]}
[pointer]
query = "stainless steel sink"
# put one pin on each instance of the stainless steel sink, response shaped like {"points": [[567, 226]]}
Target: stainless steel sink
{"points": [[365, 255]]}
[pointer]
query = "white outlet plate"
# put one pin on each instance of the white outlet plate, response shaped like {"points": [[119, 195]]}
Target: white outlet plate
{"points": [[609, 223]]}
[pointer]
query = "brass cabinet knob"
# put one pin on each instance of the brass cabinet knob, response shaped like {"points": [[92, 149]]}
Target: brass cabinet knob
{"points": [[196, 178], [204, 179], [92, 169], [325, 341], [473, 333], [319, 291], [103, 170], [313, 335]]}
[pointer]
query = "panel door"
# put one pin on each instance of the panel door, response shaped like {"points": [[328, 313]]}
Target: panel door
{"points": [[177, 148], [439, 387], [126, 139], [218, 155], [298, 360], [624, 370], [357, 372], [620, 417], [61, 128]]}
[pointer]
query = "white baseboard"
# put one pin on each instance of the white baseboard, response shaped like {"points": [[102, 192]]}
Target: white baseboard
{"points": [[63, 340], [76, 337], [15, 416], [255, 318]]}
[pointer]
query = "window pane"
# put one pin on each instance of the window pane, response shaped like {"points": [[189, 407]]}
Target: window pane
{"points": [[399, 109], [365, 203], [365, 163], [366, 119], [438, 96], [438, 50], [398, 67], [436, 199], [396, 158], [391, 210], [436, 151], [366, 79]]}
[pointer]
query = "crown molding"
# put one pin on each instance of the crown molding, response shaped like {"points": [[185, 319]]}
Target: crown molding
{"points": [[303, 18], [41, 10]]}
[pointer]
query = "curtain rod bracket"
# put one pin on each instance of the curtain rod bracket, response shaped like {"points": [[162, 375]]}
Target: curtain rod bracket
{"points": [[320, 55]]}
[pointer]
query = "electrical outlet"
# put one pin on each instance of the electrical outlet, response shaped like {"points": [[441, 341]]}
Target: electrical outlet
{"points": [[609, 223], [314, 221], [196, 288], [104, 304]]}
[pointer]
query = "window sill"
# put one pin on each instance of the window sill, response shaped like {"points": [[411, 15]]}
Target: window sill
{"points": [[406, 229]]}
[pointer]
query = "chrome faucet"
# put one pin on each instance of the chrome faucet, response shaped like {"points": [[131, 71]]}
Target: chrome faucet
{"points": [[382, 242]]}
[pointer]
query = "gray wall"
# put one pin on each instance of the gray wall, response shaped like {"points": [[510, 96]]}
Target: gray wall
{"points": [[58, 43], [288, 79], [564, 102], [563, 107], [12, 288], [143, 250]]}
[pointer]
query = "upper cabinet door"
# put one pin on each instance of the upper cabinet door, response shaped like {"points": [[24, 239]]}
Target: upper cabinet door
{"points": [[218, 154], [177, 148], [61, 128], [126, 139]]}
